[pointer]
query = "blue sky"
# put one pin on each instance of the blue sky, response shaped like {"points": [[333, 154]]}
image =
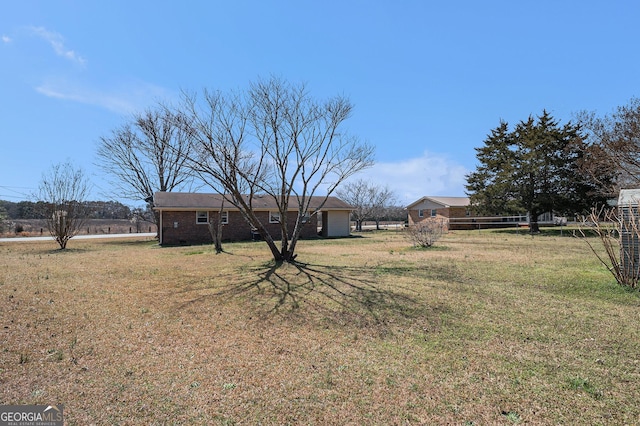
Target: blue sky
{"points": [[429, 79]]}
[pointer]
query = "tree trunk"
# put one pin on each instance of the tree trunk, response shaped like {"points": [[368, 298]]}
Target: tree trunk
{"points": [[156, 218], [288, 256], [216, 234], [534, 228], [278, 255]]}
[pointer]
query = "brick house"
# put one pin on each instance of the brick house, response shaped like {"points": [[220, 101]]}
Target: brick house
{"points": [[438, 208], [185, 217], [455, 213]]}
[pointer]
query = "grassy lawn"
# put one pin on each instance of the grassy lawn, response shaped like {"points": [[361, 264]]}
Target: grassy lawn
{"points": [[486, 328]]}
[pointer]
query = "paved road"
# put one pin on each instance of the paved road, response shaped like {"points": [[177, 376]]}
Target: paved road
{"points": [[79, 237]]}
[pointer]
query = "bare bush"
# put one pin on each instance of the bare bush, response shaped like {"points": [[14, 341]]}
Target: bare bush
{"points": [[426, 233], [619, 235]]}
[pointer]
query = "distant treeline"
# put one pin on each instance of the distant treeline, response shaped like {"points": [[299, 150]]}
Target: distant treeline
{"points": [[391, 213], [97, 210], [116, 210]]}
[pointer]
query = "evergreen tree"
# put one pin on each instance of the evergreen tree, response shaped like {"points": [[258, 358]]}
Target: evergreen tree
{"points": [[490, 193], [536, 168]]}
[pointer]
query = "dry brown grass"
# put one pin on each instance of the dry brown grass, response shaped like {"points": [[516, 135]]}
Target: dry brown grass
{"points": [[486, 327]]}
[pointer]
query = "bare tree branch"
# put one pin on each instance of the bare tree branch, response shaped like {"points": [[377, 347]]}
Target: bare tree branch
{"points": [[64, 190], [277, 141], [617, 138], [147, 154], [369, 201], [619, 237]]}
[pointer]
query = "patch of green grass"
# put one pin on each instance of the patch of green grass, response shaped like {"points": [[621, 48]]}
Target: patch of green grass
{"points": [[192, 253], [435, 247], [581, 384], [512, 416]]}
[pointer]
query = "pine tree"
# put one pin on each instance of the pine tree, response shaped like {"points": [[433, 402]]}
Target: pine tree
{"points": [[490, 193], [536, 168]]}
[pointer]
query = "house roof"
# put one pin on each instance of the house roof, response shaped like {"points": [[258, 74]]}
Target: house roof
{"points": [[202, 201], [444, 201]]}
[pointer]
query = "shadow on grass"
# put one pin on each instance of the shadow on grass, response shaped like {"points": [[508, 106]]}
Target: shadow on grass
{"points": [[72, 246], [56, 250], [544, 231], [356, 296], [131, 242]]}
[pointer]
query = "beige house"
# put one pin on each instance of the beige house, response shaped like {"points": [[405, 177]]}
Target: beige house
{"points": [[439, 208]]}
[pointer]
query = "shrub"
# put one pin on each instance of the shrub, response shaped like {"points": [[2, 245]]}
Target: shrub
{"points": [[425, 234]]}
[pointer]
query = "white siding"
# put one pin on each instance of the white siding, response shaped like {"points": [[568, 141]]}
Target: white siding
{"points": [[338, 224]]}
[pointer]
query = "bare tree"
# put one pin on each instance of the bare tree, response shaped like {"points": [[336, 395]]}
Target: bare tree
{"points": [[64, 190], [273, 140], [382, 200], [359, 194], [147, 155], [370, 201], [616, 141]]}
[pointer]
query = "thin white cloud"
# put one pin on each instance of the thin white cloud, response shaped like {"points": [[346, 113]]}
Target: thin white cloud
{"points": [[413, 178], [126, 100], [109, 102], [6, 39], [57, 43], [129, 97]]}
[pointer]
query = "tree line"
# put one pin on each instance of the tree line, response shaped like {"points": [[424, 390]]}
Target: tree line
{"points": [[94, 209]]}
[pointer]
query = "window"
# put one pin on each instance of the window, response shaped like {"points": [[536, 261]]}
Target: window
{"points": [[420, 213], [202, 217], [306, 217], [224, 217], [434, 212], [274, 217]]}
